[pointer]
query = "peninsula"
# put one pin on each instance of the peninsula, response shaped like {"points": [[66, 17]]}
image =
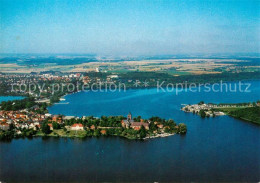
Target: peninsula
{"points": [[244, 111]]}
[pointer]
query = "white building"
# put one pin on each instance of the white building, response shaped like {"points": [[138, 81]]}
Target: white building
{"points": [[77, 126]]}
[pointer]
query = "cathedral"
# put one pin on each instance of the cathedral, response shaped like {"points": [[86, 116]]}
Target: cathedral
{"points": [[130, 123]]}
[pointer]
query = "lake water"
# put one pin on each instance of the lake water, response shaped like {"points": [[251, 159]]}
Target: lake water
{"points": [[214, 149], [6, 98]]}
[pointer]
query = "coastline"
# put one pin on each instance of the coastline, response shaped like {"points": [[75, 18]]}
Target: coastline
{"points": [[159, 136], [125, 137]]}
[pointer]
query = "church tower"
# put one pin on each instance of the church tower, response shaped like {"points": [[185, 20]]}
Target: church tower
{"points": [[129, 116]]}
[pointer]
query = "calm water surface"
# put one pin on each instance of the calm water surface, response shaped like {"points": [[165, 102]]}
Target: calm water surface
{"points": [[6, 98], [214, 149]]}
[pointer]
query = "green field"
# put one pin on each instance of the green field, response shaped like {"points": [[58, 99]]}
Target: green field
{"points": [[251, 114]]}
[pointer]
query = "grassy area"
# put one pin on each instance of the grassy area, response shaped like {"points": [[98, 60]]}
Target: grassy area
{"points": [[174, 72], [119, 70], [251, 114], [229, 109], [76, 134], [62, 133]]}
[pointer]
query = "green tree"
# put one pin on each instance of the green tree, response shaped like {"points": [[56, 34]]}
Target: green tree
{"points": [[45, 128], [152, 127], [55, 125], [138, 118], [182, 128], [97, 132], [202, 113], [142, 132]]}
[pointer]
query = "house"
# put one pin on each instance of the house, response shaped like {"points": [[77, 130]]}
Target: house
{"points": [[55, 118], [92, 127], [77, 126], [68, 117], [3, 120], [77, 75], [4, 126], [37, 127], [103, 132], [86, 80], [160, 126], [48, 115], [50, 125]]}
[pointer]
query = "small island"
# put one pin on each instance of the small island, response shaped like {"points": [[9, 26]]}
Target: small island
{"points": [[244, 111], [26, 118]]}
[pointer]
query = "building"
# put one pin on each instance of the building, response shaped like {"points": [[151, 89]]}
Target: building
{"points": [[130, 123], [68, 117], [4, 126], [160, 126], [50, 125], [55, 118], [47, 115], [86, 80], [103, 132], [138, 125], [92, 127], [127, 123], [77, 126]]}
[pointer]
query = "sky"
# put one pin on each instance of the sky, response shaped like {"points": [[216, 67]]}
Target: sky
{"points": [[130, 27]]}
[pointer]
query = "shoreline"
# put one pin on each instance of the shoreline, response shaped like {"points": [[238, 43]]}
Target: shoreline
{"points": [[159, 136], [85, 137]]}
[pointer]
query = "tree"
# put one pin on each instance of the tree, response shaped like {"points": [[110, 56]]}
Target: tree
{"points": [[45, 128], [29, 133], [11, 126], [142, 132], [138, 118], [202, 113], [152, 127], [7, 135], [54, 99], [55, 125], [97, 132], [182, 128]]}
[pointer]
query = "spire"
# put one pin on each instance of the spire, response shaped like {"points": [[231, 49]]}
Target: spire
{"points": [[129, 116]]}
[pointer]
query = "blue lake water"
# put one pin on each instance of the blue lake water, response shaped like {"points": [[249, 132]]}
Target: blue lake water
{"points": [[214, 149], [7, 98]]}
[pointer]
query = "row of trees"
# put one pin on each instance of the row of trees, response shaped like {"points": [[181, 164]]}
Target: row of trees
{"points": [[18, 104], [250, 114], [104, 121], [27, 103], [152, 77], [10, 134]]}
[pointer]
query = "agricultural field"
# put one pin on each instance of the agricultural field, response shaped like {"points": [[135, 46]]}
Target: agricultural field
{"points": [[175, 67]]}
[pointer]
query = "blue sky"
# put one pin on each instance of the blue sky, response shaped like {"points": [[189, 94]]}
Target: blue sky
{"points": [[143, 27]]}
